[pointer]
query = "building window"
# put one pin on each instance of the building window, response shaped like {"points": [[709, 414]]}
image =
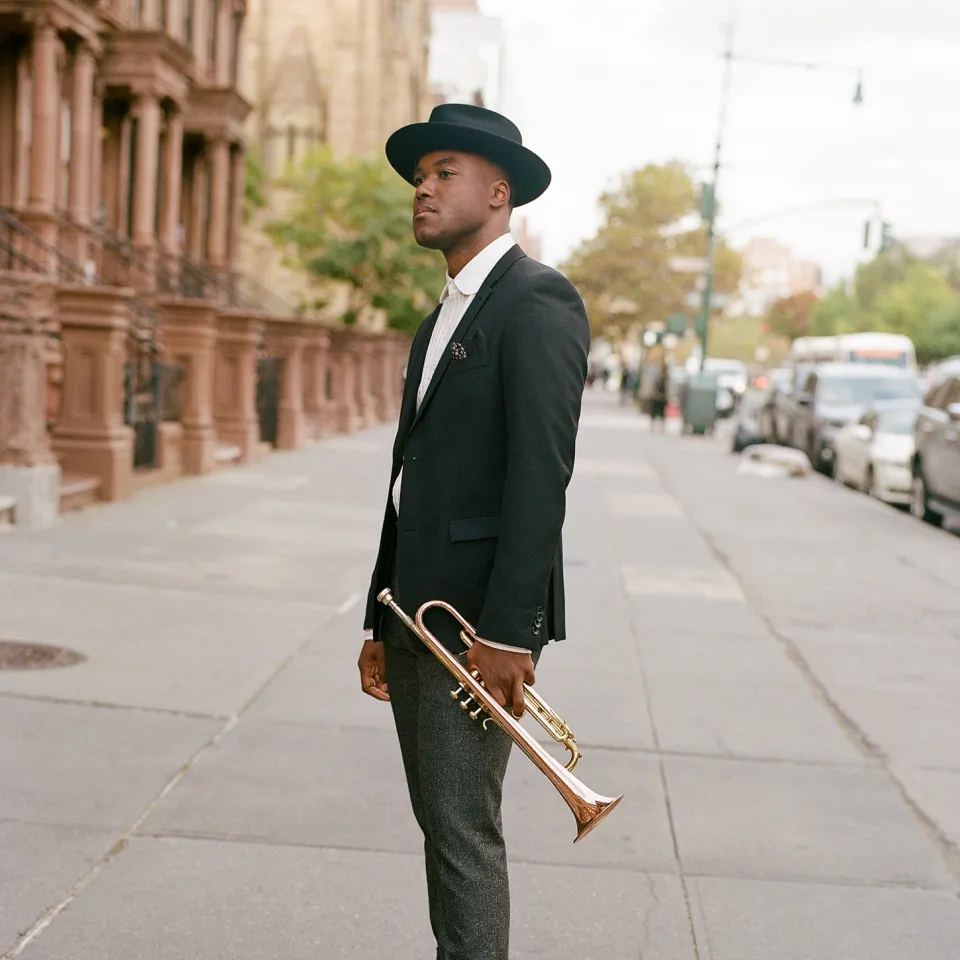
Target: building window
{"points": [[236, 30], [188, 23]]}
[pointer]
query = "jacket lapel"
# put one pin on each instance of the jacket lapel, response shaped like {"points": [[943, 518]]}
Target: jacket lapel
{"points": [[466, 323], [418, 356]]}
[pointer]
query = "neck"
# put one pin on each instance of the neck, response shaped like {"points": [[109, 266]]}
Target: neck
{"points": [[466, 248]]}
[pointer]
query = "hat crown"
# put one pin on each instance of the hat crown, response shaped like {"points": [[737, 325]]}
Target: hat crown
{"points": [[479, 118]]}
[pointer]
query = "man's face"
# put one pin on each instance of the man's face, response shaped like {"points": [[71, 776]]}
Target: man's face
{"points": [[456, 194]]}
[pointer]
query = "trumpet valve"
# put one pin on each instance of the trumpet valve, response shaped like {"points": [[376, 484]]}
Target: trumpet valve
{"points": [[466, 704], [455, 694], [476, 713]]}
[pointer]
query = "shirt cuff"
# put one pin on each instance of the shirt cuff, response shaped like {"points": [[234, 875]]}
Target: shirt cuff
{"points": [[502, 646], [367, 634]]}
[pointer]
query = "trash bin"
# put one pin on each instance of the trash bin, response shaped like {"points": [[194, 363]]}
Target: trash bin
{"points": [[700, 403]]}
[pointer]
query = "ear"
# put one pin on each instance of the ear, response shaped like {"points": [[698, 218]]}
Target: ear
{"points": [[499, 194]]}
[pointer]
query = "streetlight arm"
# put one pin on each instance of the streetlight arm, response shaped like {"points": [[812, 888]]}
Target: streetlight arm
{"points": [[799, 64]]}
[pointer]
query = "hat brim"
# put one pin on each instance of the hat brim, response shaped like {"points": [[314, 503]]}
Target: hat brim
{"points": [[530, 175]]}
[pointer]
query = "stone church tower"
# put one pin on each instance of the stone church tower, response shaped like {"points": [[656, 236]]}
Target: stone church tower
{"points": [[344, 73]]}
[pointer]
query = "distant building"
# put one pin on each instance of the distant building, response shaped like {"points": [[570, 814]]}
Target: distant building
{"points": [[528, 242], [770, 273], [467, 55], [341, 73]]}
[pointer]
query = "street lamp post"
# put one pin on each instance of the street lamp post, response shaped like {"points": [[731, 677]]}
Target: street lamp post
{"points": [[710, 195]]}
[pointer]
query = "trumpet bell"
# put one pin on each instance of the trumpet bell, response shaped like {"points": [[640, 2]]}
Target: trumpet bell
{"points": [[593, 813]]}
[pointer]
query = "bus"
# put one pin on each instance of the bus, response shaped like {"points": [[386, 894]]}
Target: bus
{"points": [[888, 349]]}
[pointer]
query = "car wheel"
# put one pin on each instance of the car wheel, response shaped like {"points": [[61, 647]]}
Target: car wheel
{"points": [[919, 505]]}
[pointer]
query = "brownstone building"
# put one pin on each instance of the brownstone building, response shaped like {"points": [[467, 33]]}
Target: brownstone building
{"points": [[131, 350]]}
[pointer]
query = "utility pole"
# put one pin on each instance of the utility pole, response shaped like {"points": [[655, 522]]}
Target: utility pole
{"points": [[710, 199]]}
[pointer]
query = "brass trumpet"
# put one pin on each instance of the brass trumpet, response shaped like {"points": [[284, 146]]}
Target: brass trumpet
{"points": [[588, 808]]}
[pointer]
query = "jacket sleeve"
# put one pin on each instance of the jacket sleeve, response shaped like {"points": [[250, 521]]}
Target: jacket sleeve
{"points": [[544, 368]]}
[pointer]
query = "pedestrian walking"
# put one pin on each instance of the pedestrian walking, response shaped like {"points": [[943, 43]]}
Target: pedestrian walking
{"points": [[481, 462], [658, 402]]}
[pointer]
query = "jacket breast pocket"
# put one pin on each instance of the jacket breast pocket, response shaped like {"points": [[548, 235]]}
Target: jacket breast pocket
{"points": [[474, 361], [485, 526]]}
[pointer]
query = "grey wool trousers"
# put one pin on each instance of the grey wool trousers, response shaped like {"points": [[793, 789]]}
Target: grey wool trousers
{"points": [[455, 772]]}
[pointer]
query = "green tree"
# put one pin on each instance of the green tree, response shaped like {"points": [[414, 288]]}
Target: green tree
{"points": [[923, 307], [351, 224], [626, 273], [254, 197], [875, 277], [791, 317], [838, 312]]}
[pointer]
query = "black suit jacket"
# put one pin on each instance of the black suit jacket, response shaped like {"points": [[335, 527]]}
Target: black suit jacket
{"points": [[486, 462]]}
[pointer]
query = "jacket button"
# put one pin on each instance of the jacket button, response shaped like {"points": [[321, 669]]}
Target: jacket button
{"points": [[535, 630]]}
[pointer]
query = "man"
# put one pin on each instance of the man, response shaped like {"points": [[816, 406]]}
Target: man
{"points": [[483, 455]]}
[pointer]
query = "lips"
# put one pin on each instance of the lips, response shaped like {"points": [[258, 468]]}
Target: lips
{"points": [[422, 211]]}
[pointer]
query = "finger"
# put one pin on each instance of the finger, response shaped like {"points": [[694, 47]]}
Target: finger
{"points": [[518, 706], [498, 695]]}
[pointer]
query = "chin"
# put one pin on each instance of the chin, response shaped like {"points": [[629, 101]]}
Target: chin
{"points": [[428, 240]]}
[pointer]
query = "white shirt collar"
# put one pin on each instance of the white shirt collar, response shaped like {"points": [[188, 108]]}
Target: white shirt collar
{"points": [[470, 279]]}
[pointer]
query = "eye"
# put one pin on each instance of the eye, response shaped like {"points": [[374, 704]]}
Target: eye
{"points": [[417, 181], [446, 173]]}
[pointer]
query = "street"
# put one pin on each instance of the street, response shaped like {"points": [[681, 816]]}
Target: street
{"points": [[768, 669]]}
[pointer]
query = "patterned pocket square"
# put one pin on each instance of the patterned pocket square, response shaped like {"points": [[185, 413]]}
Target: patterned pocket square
{"points": [[457, 351]]}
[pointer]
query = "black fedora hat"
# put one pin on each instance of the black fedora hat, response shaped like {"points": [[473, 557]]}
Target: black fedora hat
{"points": [[472, 129]]}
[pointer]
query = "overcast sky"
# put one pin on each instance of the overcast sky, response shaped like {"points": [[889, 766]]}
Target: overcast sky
{"points": [[603, 86]]}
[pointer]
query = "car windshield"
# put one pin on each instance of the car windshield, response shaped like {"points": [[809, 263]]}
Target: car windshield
{"points": [[841, 391], [896, 421]]}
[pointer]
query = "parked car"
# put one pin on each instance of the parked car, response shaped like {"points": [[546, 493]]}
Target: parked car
{"points": [[936, 464], [875, 453], [732, 381], [833, 395], [785, 404]]}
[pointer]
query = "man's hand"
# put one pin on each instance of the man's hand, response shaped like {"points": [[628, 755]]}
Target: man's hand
{"points": [[504, 673], [373, 670]]}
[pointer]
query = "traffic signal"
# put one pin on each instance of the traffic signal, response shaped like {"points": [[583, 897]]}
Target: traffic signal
{"points": [[886, 236]]}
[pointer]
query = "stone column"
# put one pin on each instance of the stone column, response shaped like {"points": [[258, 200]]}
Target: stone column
{"points": [[363, 347], [28, 469], [81, 148], [90, 437], [145, 186], [45, 152], [174, 24], [235, 381], [286, 338], [383, 366], [316, 363], [221, 66], [219, 154], [344, 415], [173, 176], [189, 338]]}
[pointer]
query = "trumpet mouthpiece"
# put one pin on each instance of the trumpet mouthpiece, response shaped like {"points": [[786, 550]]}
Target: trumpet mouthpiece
{"points": [[385, 596]]}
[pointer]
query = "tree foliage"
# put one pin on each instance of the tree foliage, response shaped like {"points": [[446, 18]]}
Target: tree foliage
{"points": [[791, 317], [896, 293], [624, 272], [351, 225]]}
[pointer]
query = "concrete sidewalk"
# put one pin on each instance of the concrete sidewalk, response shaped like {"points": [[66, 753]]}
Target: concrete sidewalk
{"points": [[768, 669]]}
